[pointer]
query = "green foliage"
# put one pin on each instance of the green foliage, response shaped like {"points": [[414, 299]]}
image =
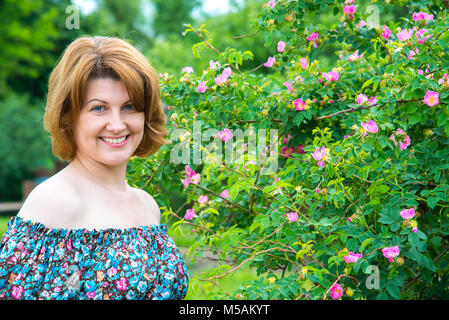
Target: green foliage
{"points": [[25, 146], [353, 199], [26, 33]]}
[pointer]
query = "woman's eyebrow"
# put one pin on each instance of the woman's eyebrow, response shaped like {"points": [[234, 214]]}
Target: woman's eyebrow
{"points": [[105, 102]]}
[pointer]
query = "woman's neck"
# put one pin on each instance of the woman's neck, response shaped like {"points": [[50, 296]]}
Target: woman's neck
{"points": [[109, 178]]}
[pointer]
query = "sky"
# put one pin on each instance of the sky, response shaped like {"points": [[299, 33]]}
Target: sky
{"points": [[211, 7]]}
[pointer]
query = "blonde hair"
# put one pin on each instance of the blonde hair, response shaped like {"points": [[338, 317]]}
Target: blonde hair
{"points": [[89, 58]]}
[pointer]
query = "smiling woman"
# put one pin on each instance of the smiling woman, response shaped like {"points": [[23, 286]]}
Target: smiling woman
{"points": [[84, 233]]}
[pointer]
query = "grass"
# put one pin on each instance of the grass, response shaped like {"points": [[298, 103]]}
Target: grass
{"points": [[4, 223], [199, 268]]}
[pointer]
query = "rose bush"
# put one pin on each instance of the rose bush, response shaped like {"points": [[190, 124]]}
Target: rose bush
{"points": [[358, 205]]}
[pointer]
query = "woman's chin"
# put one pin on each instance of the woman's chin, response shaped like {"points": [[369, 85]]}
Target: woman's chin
{"points": [[116, 160]]}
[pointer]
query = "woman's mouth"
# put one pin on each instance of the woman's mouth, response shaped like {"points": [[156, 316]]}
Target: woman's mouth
{"points": [[115, 142]]}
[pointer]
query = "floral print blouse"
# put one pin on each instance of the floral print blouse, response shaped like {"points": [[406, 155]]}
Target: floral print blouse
{"points": [[37, 262]]}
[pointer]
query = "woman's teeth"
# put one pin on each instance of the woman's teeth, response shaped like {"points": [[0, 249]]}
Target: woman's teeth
{"points": [[115, 140]]}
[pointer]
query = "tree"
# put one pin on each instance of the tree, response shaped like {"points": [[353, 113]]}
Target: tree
{"points": [[170, 15], [356, 204]]}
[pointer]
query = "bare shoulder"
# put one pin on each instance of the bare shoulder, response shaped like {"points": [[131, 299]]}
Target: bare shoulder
{"points": [[53, 203], [150, 204]]}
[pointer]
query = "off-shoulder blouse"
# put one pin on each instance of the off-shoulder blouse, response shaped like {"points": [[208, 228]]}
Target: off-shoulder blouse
{"points": [[37, 262]]}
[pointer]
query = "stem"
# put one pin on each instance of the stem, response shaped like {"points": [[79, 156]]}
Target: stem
{"points": [[219, 196]]}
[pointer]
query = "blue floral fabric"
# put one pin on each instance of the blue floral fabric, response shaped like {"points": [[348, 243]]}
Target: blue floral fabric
{"points": [[37, 262]]}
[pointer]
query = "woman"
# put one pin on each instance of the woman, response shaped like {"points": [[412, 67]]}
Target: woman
{"points": [[85, 233]]}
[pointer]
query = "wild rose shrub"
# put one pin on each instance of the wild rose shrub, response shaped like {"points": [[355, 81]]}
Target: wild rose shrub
{"points": [[362, 183]]}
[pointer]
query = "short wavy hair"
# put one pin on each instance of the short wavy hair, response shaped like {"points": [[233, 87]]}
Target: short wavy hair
{"points": [[89, 58]]}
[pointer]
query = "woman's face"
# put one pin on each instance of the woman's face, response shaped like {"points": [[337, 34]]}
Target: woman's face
{"points": [[109, 128]]}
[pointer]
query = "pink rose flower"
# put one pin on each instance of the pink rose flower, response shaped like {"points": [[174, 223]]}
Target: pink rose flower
{"points": [[196, 178], [185, 182], [288, 85], [281, 46], [192, 177], [286, 139], [227, 72], [271, 3], [190, 213], [187, 69], [349, 11], [390, 252], [419, 16], [299, 149], [407, 213], [405, 34], [203, 199], [189, 172], [214, 64], [412, 53], [299, 104], [355, 56], [331, 76], [225, 193], [270, 62], [320, 156], [336, 291], [224, 76], [361, 99], [444, 80], [313, 38], [370, 126], [386, 33], [225, 135], [292, 216], [221, 79], [420, 36], [352, 257], [201, 87], [401, 136], [431, 98], [304, 63], [372, 101], [287, 151]]}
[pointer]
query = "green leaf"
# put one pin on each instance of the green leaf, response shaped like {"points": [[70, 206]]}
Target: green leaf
{"points": [[382, 296], [382, 189], [428, 263], [386, 219], [307, 285], [365, 243], [432, 201], [413, 239], [325, 222], [393, 290], [367, 147], [211, 210]]}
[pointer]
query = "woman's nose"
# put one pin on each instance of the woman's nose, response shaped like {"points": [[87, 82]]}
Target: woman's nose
{"points": [[116, 123]]}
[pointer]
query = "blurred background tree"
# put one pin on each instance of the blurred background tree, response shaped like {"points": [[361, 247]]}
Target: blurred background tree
{"points": [[34, 34]]}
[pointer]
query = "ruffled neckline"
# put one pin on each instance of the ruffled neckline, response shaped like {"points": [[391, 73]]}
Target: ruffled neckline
{"points": [[20, 223]]}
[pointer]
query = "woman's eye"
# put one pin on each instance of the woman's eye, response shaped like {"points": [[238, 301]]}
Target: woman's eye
{"points": [[97, 108], [129, 107]]}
